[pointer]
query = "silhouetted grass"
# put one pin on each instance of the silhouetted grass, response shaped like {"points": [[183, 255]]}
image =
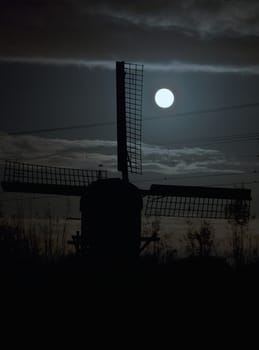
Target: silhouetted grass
{"points": [[36, 256]]}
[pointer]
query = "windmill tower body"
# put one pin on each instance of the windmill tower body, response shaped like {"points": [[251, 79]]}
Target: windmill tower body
{"points": [[111, 207], [111, 220]]}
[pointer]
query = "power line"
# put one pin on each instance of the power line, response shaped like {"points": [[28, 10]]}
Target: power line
{"points": [[179, 177], [53, 154], [206, 111], [29, 198], [176, 115], [63, 128], [237, 183], [206, 141]]}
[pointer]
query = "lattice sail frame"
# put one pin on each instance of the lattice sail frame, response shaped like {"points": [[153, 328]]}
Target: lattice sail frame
{"points": [[32, 178], [129, 78], [198, 202]]}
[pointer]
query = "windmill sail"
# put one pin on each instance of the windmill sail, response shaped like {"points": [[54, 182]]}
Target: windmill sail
{"points": [[198, 202], [129, 84], [31, 178]]}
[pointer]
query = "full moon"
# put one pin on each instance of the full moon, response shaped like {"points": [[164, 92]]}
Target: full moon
{"points": [[164, 98]]}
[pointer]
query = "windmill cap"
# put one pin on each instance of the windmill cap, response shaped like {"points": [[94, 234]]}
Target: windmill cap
{"points": [[110, 190]]}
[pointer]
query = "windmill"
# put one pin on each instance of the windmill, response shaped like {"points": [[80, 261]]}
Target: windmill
{"points": [[111, 208]]}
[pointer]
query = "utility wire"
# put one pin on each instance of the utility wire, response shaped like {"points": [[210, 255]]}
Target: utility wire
{"points": [[206, 141], [176, 115], [179, 177], [29, 198], [236, 183], [206, 111], [70, 127]]}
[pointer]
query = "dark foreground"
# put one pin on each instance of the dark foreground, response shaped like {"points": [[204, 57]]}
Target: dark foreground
{"points": [[184, 276], [194, 293]]}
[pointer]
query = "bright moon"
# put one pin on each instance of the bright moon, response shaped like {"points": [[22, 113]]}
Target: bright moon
{"points": [[164, 98]]}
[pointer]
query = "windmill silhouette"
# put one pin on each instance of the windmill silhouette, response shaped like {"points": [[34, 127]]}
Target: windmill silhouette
{"points": [[111, 208]]}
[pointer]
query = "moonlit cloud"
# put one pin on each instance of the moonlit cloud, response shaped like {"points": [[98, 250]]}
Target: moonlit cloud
{"points": [[61, 62], [177, 67], [95, 153], [60, 152], [168, 161], [181, 67]]}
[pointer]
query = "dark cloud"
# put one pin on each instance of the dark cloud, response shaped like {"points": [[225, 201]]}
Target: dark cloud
{"points": [[199, 32], [206, 18]]}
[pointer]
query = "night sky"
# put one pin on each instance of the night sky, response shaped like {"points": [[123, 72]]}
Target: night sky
{"points": [[57, 69]]}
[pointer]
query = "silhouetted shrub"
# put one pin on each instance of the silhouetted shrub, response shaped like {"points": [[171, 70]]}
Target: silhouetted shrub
{"points": [[200, 242]]}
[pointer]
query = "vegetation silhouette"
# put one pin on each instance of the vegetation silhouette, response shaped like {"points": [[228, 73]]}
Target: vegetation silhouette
{"points": [[27, 264]]}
